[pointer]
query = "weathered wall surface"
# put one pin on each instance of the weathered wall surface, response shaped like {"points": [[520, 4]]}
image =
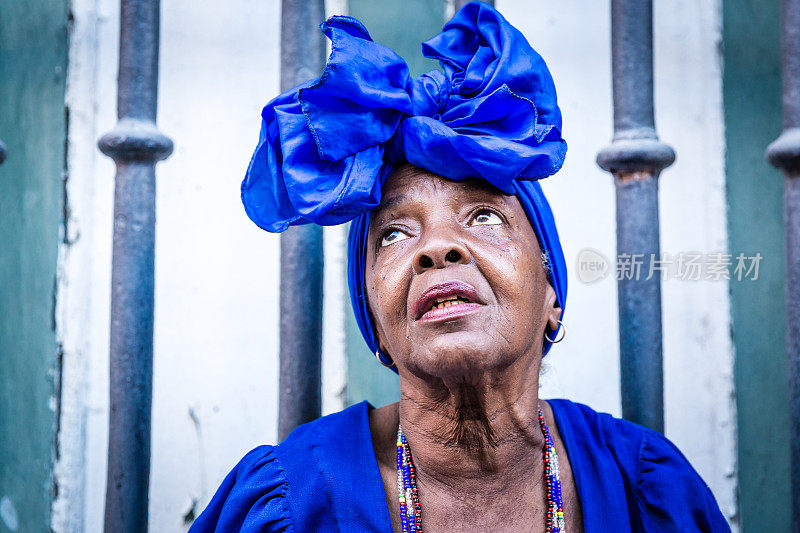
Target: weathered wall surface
{"points": [[216, 345], [33, 60]]}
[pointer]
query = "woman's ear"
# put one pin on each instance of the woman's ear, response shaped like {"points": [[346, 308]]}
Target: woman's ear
{"points": [[382, 342], [379, 332], [552, 310]]}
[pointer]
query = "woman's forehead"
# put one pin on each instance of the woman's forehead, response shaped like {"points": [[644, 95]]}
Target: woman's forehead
{"points": [[409, 183]]}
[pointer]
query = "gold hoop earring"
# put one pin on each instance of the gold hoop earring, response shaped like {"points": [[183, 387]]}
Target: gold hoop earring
{"points": [[558, 339], [379, 355]]}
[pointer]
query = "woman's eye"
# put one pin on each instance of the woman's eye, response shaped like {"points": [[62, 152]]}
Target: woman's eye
{"points": [[392, 237], [485, 217]]}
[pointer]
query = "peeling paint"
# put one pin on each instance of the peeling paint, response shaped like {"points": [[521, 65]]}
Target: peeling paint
{"points": [[8, 514], [75, 275], [201, 452], [191, 514]]}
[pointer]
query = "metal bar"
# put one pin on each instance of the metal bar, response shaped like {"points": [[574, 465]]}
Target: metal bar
{"points": [[784, 153], [635, 158], [639, 300], [2, 152], [135, 145], [300, 401], [792, 219]]}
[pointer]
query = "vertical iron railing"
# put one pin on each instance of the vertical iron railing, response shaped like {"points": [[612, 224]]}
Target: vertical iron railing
{"points": [[300, 401], [135, 145], [636, 157], [784, 153]]}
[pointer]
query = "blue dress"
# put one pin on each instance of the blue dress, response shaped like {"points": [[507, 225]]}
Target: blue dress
{"points": [[325, 477]]}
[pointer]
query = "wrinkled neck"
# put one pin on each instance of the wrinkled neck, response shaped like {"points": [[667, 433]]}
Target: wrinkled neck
{"points": [[474, 433]]}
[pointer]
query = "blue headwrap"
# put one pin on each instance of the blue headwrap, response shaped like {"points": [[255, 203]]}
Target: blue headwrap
{"points": [[327, 146]]}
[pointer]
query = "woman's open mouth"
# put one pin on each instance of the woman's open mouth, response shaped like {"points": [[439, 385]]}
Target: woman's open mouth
{"points": [[445, 301]]}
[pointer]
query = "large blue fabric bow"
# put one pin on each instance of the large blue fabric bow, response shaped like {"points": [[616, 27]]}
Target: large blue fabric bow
{"points": [[327, 146]]}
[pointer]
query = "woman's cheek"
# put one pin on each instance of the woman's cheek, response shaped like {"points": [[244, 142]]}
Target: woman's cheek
{"points": [[514, 283], [387, 287]]}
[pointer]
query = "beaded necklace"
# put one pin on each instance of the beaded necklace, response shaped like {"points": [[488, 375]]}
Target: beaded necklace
{"points": [[407, 493]]}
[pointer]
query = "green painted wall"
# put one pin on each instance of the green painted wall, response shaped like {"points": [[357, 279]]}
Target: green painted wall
{"points": [[402, 26], [752, 91], [367, 379], [33, 60]]}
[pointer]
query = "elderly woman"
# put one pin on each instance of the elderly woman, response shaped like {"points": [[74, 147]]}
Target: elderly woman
{"points": [[458, 282]]}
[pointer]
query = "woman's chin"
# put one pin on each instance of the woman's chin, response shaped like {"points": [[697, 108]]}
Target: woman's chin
{"points": [[451, 357]]}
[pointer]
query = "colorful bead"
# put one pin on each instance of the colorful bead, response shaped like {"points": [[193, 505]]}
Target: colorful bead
{"points": [[407, 491]]}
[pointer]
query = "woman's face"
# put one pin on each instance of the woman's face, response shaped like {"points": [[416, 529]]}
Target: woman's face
{"points": [[454, 277]]}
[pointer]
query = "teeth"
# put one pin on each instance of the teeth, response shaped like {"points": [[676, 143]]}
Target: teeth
{"points": [[441, 303]]}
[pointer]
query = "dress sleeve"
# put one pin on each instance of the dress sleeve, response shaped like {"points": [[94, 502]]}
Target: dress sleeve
{"points": [[250, 499], [671, 495]]}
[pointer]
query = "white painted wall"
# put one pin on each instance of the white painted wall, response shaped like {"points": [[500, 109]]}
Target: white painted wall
{"points": [[216, 336]]}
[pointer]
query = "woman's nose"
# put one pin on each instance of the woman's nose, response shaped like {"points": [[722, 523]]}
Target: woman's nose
{"points": [[439, 253]]}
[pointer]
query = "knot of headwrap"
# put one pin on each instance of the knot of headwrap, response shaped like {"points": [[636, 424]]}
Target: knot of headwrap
{"points": [[327, 146]]}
